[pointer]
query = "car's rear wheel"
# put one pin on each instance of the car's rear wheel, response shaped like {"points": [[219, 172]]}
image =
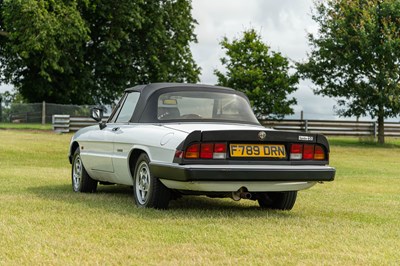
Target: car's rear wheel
{"points": [[81, 181], [148, 191], [277, 200]]}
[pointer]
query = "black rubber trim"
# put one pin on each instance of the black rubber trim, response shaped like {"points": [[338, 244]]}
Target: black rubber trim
{"points": [[191, 173]]}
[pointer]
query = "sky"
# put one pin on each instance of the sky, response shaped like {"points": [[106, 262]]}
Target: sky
{"points": [[283, 26]]}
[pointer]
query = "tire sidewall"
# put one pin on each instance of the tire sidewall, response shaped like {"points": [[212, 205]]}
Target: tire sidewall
{"points": [[277, 200], [143, 158], [78, 187], [85, 184]]}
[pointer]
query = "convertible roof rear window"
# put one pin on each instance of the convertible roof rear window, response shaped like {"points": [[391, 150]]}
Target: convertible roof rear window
{"points": [[203, 105]]}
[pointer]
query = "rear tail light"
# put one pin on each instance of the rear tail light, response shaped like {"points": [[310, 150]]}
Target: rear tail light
{"points": [[219, 151], [319, 153], [206, 151], [306, 152], [193, 151], [296, 152], [179, 154]]}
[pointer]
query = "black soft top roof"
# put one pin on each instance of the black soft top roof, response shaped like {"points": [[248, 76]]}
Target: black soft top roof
{"points": [[149, 89], [157, 86], [145, 110]]}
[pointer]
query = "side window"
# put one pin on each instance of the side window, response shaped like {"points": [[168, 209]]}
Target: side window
{"points": [[116, 110], [128, 107]]}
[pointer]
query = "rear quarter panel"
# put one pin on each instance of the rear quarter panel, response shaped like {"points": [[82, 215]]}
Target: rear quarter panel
{"points": [[158, 142]]}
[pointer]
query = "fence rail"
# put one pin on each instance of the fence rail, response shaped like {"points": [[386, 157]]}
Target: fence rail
{"points": [[332, 127], [67, 123]]}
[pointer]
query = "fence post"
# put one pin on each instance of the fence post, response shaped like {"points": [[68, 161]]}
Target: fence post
{"points": [[43, 113], [306, 125], [375, 129]]}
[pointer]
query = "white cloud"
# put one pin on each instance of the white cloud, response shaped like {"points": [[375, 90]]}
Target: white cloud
{"points": [[283, 26]]}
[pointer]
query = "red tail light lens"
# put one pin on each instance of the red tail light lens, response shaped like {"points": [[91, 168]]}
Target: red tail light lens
{"points": [[220, 147], [296, 152], [179, 154], [219, 151], [308, 152], [192, 152], [206, 150]]}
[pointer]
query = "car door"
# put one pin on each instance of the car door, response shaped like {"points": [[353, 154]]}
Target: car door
{"points": [[99, 150], [121, 144]]}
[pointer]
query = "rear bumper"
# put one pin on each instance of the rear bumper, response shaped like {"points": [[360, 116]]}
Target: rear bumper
{"points": [[231, 186], [290, 173]]}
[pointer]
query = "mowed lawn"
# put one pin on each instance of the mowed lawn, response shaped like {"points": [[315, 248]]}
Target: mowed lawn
{"points": [[353, 220]]}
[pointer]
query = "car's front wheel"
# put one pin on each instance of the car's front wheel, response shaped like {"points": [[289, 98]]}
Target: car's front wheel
{"points": [[81, 181], [148, 191], [277, 200]]}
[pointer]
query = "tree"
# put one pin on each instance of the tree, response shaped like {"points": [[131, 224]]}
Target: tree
{"points": [[86, 52], [356, 57], [11, 103], [138, 42], [40, 48], [163, 42], [261, 74], [112, 51]]}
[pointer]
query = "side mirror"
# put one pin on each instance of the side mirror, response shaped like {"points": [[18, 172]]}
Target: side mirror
{"points": [[97, 114]]}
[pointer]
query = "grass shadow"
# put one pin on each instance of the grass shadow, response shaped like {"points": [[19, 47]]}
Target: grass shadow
{"points": [[119, 199]]}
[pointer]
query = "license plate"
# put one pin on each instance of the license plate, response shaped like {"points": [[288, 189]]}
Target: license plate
{"points": [[257, 150]]}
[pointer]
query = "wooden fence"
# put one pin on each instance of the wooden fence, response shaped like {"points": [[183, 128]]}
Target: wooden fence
{"points": [[66, 123]]}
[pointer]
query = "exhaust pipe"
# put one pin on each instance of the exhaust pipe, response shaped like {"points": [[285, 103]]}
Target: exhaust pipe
{"points": [[245, 195], [241, 194], [236, 195]]}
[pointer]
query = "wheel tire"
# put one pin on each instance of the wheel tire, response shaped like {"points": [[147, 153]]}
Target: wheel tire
{"points": [[277, 200], [81, 181], [148, 191]]}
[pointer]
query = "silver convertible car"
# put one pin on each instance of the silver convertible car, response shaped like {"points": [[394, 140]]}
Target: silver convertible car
{"points": [[167, 140]]}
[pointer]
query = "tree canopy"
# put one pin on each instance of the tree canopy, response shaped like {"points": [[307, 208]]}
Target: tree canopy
{"points": [[263, 75], [86, 52], [356, 57]]}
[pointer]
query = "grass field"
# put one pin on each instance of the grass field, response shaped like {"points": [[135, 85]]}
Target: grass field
{"points": [[353, 220], [26, 126]]}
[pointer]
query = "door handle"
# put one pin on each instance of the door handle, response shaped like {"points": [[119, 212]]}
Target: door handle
{"points": [[115, 129]]}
